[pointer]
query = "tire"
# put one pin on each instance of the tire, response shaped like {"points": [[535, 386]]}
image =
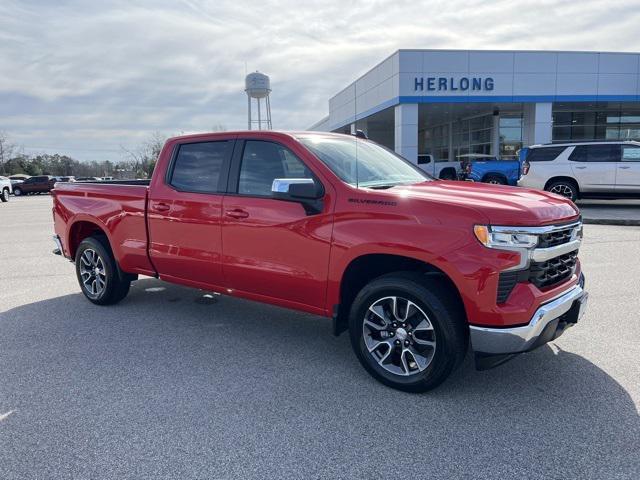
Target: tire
{"points": [[5, 195], [494, 180], [17, 191], [95, 265], [566, 188], [431, 300]]}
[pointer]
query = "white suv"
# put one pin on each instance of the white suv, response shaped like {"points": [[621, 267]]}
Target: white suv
{"points": [[585, 169], [5, 188]]}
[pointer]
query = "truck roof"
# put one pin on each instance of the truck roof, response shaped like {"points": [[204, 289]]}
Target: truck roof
{"points": [[287, 133]]}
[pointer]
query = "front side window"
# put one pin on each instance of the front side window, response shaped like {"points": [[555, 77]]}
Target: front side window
{"points": [[595, 153], [630, 153], [197, 166], [263, 162], [362, 163]]}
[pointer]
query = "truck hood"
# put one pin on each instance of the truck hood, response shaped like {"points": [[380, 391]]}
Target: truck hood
{"points": [[502, 205]]}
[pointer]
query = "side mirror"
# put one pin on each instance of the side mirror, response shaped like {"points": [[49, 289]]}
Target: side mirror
{"points": [[302, 190], [296, 189]]}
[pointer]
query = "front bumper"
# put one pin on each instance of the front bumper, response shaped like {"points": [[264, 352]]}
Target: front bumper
{"points": [[547, 323]]}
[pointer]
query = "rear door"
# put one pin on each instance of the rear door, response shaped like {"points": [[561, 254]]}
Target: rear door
{"points": [[185, 211], [34, 184], [628, 176], [594, 166], [273, 248]]}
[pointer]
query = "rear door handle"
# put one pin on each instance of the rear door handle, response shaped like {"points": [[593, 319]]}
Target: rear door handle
{"points": [[160, 207], [237, 213]]}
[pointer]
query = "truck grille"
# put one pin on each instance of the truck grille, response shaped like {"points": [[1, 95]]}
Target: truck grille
{"points": [[553, 239], [552, 272]]}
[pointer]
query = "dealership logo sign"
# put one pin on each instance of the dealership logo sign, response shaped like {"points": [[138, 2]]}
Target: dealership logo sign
{"points": [[451, 84]]}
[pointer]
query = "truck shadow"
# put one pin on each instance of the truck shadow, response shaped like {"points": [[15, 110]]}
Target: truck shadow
{"points": [[272, 374]]}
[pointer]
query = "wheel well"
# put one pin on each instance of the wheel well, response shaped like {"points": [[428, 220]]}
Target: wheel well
{"points": [[81, 230], [566, 179], [368, 267], [494, 174]]}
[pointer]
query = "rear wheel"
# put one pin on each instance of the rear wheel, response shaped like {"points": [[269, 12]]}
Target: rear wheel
{"points": [[495, 180], [408, 331], [17, 191], [97, 272], [566, 188], [5, 195]]}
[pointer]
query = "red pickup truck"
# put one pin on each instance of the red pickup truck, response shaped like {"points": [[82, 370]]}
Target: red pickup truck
{"points": [[416, 269]]}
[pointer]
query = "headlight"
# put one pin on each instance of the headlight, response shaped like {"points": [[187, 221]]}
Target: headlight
{"points": [[504, 240]]}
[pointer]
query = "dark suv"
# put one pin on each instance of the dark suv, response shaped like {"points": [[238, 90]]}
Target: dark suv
{"points": [[38, 184]]}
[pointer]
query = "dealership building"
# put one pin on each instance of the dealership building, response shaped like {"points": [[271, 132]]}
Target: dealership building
{"points": [[451, 102]]}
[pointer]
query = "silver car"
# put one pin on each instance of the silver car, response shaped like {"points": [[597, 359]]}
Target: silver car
{"points": [[584, 169]]}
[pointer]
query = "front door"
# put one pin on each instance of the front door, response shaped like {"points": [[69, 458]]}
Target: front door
{"points": [[273, 248], [185, 212], [594, 166], [628, 176]]}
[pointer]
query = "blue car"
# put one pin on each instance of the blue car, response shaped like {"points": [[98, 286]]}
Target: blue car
{"points": [[479, 167]]}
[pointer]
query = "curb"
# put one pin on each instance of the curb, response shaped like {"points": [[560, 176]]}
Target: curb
{"points": [[611, 221]]}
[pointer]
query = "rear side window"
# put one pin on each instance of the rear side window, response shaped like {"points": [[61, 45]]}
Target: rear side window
{"points": [[197, 166], [263, 162], [630, 153], [544, 154], [595, 153]]}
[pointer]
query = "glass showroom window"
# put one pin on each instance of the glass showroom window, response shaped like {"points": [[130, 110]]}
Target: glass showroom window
{"points": [[472, 135], [436, 142], [601, 121]]}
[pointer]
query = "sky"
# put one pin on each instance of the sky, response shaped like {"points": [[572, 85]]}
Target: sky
{"points": [[91, 78]]}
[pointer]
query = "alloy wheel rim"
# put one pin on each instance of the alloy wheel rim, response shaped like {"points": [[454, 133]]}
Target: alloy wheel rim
{"points": [[563, 190], [92, 272], [399, 336]]}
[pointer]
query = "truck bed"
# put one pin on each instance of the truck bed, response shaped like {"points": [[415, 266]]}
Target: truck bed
{"points": [[116, 207]]}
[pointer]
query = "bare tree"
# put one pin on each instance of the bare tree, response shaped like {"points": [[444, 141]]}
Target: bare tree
{"points": [[144, 158], [6, 150]]}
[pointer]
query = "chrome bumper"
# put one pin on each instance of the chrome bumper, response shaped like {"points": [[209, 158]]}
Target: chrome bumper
{"points": [[537, 332], [58, 249]]}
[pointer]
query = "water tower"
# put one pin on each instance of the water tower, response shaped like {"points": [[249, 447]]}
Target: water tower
{"points": [[258, 86]]}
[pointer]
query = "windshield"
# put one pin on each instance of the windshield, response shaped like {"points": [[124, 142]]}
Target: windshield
{"points": [[362, 163]]}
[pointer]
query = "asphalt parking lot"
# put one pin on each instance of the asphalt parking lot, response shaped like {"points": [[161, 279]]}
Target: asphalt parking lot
{"points": [[174, 384]]}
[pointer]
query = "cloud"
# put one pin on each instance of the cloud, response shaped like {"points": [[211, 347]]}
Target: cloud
{"points": [[84, 78]]}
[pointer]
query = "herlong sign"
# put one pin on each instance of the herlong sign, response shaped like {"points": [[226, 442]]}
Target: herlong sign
{"points": [[438, 84]]}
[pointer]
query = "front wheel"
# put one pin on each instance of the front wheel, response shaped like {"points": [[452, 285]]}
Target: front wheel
{"points": [[17, 191], [566, 188], [5, 195], [98, 274], [408, 330]]}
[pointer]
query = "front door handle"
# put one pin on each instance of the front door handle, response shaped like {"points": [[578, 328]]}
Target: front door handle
{"points": [[581, 168], [237, 213], [624, 167], [160, 207]]}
